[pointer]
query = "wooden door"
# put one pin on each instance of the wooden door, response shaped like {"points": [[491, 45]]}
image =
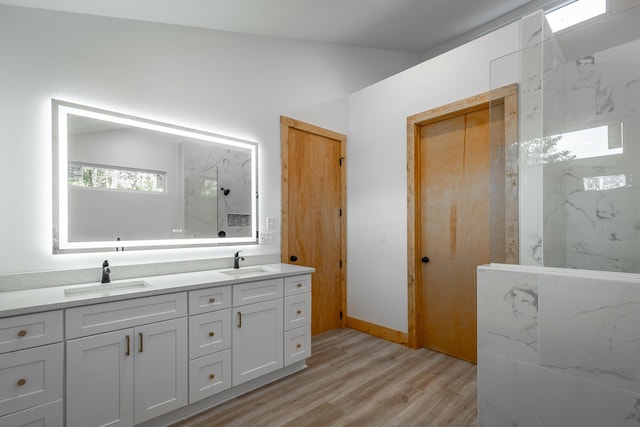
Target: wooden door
{"points": [[313, 215], [454, 155], [462, 212]]}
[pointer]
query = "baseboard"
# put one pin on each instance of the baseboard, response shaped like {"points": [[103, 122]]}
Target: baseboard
{"points": [[378, 331]]}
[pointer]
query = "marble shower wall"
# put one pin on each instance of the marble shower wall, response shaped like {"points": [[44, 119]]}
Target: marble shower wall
{"points": [[557, 347], [208, 214], [587, 228]]}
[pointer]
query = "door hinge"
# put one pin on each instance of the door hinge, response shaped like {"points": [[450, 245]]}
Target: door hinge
{"points": [[340, 212], [340, 263], [341, 159], [340, 314]]}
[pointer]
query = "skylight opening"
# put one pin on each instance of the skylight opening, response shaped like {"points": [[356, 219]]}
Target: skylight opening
{"points": [[574, 13]]}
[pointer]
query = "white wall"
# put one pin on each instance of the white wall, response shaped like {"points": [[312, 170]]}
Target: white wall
{"points": [[226, 83], [376, 169]]}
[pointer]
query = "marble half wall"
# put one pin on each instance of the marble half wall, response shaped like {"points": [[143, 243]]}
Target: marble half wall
{"points": [[557, 347]]}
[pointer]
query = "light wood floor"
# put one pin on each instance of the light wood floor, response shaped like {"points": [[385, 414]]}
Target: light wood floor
{"points": [[355, 379]]}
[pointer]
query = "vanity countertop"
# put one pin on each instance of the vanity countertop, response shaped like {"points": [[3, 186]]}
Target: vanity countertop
{"points": [[14, 303]]}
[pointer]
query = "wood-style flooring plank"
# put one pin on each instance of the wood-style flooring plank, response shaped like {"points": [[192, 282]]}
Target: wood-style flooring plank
{"points": [[355, 379]]}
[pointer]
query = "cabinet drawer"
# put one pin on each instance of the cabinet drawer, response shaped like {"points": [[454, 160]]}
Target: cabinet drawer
{"points": [[111, 316], [297, 285], [249, 293], [209, 375], [209, 332], [297, 345], [30, 330], [49, 415], [211, 299], [297, 311], [30, 377]]}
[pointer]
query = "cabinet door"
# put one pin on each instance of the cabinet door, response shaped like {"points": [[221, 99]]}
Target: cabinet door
{"points": [[100, 380], [257, 340], [160, 368]]}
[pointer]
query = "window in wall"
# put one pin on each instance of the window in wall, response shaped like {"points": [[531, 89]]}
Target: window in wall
{"points": [[115, 178], [608, 182], [574, 13], [586, 143]]}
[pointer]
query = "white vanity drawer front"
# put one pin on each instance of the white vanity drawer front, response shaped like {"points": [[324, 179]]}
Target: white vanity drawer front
{"points": [[210, 299], [297, 311], [209, 332], [265, 290], [111, 316], [30, 330], [297, 285], [297, 345], [49, 415], [209, 375], [30, 377]]}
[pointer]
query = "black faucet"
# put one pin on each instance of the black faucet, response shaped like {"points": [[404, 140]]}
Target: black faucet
{"points": [[236, 260], [106, 272]]}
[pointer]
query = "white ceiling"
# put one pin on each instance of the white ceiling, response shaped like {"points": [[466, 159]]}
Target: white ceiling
{"points": [[417, 26]]}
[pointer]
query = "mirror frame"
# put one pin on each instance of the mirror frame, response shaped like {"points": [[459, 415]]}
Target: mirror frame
{"points": [[61, 244]]}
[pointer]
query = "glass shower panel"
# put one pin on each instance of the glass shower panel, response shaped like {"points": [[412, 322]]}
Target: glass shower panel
{"points": [[578, 150]]}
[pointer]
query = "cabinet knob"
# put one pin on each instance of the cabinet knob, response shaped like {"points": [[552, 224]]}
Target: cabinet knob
{"points": [[21, 382], [299, 285], [212, 300], [298, 345], [22, 333], [211, 376], [299, 311], [211, 334]]}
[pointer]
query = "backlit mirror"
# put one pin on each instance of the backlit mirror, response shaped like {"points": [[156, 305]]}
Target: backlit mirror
{"points": [[122, 182]]}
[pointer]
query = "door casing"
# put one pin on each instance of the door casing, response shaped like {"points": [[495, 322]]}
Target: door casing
{"points": [[503, 157]]}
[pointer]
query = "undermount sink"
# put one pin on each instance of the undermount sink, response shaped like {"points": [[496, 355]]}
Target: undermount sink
{"points": [[105, 288], [248, 271]]}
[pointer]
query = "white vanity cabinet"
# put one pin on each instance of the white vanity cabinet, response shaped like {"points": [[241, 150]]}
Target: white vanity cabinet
{"points": [[209, 342], [297, 318], [257, 329], [31, 366], [122, 377], [151, 358]]}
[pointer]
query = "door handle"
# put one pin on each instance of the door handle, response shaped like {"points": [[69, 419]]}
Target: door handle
{"points": [[425, 259], [293, 258]]}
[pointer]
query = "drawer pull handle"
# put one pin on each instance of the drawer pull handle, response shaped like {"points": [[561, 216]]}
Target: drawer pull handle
{"points": [[211, 376], [299, 312], [299, 285], [298, 345], [239, 320], [212, 300], [140, 348], [22, 333], [211, 334], [128, 352], [21, 382]]}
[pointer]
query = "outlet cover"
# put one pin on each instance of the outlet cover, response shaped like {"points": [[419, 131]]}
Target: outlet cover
{"points": [[266, 238]]}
